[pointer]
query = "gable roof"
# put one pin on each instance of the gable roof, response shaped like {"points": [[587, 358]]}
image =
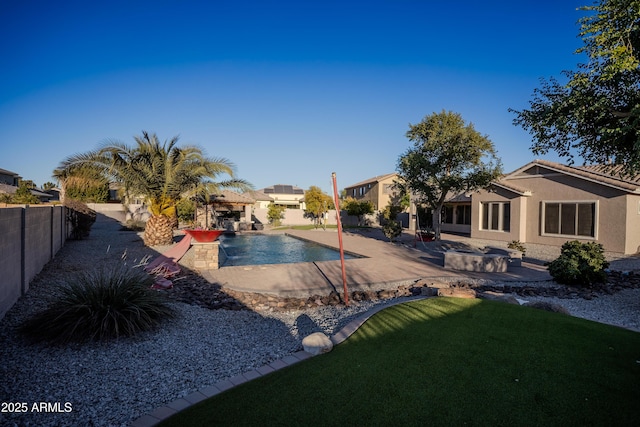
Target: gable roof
{"points": [[257, 195], [6, 172], [375, 179], [601, 174], [12, 189], [228, 196]]}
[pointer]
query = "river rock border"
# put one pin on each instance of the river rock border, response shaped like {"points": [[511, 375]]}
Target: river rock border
{"points": [[197, 291]]}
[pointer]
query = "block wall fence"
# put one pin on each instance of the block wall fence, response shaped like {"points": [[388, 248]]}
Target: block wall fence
{"points": [[30, 236]]}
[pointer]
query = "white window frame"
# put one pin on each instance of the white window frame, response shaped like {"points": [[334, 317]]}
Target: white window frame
{"points": [[489, 205], [596, 215]]}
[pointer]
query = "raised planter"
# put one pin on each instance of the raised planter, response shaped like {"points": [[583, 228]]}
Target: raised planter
{"points": [[204, 236], [475, 261]]}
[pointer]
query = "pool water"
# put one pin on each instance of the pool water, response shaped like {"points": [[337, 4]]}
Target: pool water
{"points": [[258, 249]]}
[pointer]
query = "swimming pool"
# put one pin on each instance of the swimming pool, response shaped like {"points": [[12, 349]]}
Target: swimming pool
{"points": [[258, 249]]}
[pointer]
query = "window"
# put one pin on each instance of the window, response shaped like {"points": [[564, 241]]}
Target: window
{"points": [[496, 216], [463, 214], [569, 218], [447, 214]]}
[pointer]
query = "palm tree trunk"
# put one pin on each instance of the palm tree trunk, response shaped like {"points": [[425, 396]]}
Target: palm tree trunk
{"points": [[158, 231]]}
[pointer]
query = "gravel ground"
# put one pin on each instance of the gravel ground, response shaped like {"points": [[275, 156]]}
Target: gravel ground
{"points": [[115, 383]]}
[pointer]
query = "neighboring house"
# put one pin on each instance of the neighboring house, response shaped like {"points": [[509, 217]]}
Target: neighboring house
{"points": [[40, 194], [290, 196], [55, 194], [262, 201], [378, 190], [549, 203], [9, 178]]}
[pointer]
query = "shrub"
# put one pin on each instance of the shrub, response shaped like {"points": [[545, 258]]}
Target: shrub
{"points": [[81, 218], [579, 264], [275, 214], [391, 227], [186, 210], [517, 245], [100, 305]]}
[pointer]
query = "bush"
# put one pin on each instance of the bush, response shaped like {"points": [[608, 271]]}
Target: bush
{"points": [[81, 218], [579, 264], [391, 227], [100, 305], [517, 245]]}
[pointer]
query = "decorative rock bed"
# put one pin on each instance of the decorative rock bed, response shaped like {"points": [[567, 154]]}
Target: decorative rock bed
{"points": [[198, 291]]}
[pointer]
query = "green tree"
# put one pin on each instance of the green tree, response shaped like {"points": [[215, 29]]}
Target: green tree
{"points": [[48, 185], [23, 194], [317, 204], [161, 172], [596, 114], [448, 157], [87, 185], [275, 214], [358, 208]]}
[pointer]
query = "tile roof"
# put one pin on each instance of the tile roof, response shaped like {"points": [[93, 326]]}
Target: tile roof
{"points": [[257, 195], [228, 196], [602, 174]]}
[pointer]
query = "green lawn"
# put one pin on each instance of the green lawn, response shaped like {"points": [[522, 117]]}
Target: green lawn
{"points": [[447, 361]]}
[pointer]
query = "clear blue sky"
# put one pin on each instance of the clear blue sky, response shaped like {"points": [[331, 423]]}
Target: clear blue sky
{"points": [[288, 91]]}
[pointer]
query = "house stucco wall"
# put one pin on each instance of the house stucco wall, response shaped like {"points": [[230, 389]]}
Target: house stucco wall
{"points": [[617, 215], [632, 243], [610, 209], [498, 195], [373, 192]]}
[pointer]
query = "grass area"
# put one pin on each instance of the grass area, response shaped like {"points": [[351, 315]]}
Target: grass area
{"points": [[446, 361]]}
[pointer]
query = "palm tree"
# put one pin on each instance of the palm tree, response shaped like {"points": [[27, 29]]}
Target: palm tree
{"points": [[161, 172]]}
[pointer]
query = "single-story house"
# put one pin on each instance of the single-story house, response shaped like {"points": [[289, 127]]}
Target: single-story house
{"points": [[549, 203]]}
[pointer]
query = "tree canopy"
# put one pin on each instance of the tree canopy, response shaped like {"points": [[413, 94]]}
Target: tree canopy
{"points": [[447, 157], [596, 114], [162, 172], [358, 208], [317, 203]]}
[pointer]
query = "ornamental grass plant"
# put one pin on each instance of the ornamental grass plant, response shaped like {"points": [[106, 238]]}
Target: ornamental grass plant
{"points": [[100, 305]]}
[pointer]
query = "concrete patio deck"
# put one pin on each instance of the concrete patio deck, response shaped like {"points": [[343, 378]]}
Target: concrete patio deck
{"points": [[382, 264]]}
